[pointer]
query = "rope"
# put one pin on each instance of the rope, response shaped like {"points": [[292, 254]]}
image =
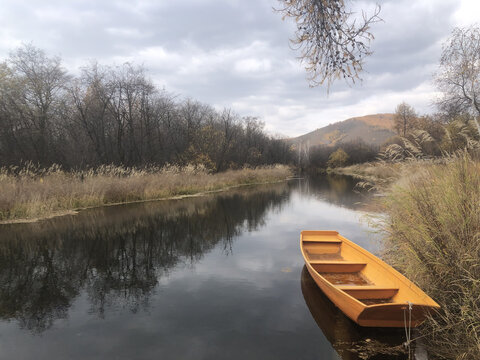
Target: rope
{"points": [[409, 329]]}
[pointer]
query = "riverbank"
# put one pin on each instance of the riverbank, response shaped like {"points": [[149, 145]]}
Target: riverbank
{"points": [[381, 174], [431, 231], [33, 194]]}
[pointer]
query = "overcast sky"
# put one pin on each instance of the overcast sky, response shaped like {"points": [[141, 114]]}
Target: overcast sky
{"points": [[236, 54]]}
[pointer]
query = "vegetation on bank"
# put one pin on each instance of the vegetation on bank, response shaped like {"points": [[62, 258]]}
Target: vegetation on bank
{"points": [[331, 156], [375, 173], [380, 174], [431, 229], [30, 193], [432, 234], [109, 135]]}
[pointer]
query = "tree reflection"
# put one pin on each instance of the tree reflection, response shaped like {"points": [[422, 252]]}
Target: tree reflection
{"points": [[118, 254], [37, 283], [336, 189]]}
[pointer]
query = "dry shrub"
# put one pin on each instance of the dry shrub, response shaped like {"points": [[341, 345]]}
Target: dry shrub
{"points": [[30, 192], [433, 236]]}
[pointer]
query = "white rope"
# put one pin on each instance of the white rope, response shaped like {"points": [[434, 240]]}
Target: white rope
{"points": [[409, 329]]}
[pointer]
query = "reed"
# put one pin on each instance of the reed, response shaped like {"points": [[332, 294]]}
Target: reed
{"points": [[30, 192], [378, 172], [432, 233]]}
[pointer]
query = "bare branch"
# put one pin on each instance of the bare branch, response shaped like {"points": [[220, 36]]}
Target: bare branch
{"points": [[458, 77], [332, 41]]}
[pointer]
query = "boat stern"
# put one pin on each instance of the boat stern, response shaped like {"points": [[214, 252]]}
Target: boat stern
{"points": [[394, 315]]}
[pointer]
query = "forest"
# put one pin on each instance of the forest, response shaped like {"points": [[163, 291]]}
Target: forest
{"points": [[116, 115]]}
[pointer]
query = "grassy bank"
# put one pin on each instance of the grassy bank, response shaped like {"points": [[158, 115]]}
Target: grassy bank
{"points": [[382, 173], [375, 172], [32, 193], [432, 235]]}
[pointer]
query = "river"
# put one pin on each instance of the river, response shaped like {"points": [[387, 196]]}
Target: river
{"points": [[213, 277]]}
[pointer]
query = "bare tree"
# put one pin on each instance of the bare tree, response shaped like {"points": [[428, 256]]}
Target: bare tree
{"points": [[332, 40], [41, 81], [116, 115], [11, 144], [404, 118], [459, 75], [90, 96]]}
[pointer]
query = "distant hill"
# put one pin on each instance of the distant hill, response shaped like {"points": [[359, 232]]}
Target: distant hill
{"points": [[372, 129]]}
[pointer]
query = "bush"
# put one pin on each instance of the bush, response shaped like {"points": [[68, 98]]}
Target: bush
{"points": [[357, 152], [338, 158]]}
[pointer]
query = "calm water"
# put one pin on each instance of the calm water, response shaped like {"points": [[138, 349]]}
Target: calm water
{"points": [[218, 277]]}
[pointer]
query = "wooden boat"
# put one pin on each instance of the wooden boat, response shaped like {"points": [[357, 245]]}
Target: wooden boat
{"points": [[365, 288]]}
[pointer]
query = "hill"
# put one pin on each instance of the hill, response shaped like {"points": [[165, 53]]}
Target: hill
{"points": [[372, 129]]}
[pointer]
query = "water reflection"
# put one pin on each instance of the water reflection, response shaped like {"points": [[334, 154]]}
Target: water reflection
{"points": [[117, 254], [351, 341], [199, 278], [336, 189]]}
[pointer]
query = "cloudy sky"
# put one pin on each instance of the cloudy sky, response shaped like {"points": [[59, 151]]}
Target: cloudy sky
{"points": [[236, 53]]}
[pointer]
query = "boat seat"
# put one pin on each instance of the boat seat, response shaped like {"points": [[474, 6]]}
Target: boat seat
{"points": [[317, 247], [337, 266], [369, 291], [323, 239]]}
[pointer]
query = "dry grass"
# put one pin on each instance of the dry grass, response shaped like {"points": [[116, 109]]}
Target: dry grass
{"points": [[381, 174], [374, 172], [432, 232], [31, 192]]}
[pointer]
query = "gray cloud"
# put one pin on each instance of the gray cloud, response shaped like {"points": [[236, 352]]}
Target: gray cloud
{"points": [[236, 53]]}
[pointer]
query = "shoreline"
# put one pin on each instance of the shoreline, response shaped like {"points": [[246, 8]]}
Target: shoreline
{"points": [[382, 175], [75, 211]]}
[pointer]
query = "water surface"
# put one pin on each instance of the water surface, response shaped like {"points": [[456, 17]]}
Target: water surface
{"points": [[215, 277]]}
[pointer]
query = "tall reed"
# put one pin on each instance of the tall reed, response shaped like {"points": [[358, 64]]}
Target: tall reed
{"points": [[30, 192], [432, 232]]}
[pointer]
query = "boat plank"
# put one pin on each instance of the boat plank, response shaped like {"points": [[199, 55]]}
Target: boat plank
{"points": [[369, 291]]}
